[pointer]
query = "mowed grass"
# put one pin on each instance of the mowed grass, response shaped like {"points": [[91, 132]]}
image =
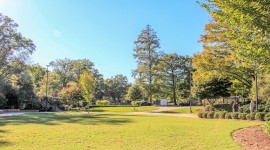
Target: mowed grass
{"points": [[115, 132], [122, 109], [185, 110]]}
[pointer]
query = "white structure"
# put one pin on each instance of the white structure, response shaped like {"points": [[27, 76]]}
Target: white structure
{"points": [[163, 102]]}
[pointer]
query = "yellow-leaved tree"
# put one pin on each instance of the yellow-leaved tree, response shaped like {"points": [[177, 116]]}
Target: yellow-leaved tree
{"points": [[87, 85]]}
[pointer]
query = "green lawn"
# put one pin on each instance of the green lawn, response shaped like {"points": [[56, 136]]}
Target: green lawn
{"points": [[116, 131], [185, 110], [122, 109]]}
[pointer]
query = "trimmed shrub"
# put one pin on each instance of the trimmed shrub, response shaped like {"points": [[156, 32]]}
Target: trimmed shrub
{"points": [[223, 107], [205, 114], [216, 115], [235, 115], [200, 114], [267, 117], [209, 108], [210, 115], [248, 117], [102, 103], [222, 114], [243, 116], [266, 128], [228, 116], [260, 116], [251, 116]]}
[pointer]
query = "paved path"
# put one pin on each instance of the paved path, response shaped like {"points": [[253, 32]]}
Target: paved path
{"points": [[165, 108], [11, 114], [160, 109]]}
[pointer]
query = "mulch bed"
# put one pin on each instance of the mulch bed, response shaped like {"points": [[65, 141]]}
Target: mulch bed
{"points": [[252, 138]]}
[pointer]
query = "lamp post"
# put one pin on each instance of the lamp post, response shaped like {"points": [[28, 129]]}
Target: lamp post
{"points": [[47, 71], [190, 64]]}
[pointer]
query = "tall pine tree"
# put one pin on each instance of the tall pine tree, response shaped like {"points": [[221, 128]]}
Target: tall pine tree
{"points": [[146, 55]]}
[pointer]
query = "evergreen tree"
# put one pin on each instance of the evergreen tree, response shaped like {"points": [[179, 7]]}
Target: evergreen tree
{"points": [[146, 56]]}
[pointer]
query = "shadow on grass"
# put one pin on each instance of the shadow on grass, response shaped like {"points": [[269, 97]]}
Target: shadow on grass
{"points": [[2, 142], [96, 110], [170, 112], [59, 118]]}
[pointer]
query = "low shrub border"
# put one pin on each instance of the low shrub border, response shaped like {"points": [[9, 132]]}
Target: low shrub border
{"points": [[262, 116]]}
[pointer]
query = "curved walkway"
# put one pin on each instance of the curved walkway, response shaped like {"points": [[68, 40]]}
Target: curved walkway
{"points": [[165, 108], [161, 109], [11, 114]]}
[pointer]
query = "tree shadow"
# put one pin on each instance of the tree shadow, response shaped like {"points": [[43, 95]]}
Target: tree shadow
{"points": [[2, 142], [61, 118], [97, 110]]}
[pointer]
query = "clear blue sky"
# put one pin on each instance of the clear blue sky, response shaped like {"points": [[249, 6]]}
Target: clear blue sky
{"points": [[104, 31]]}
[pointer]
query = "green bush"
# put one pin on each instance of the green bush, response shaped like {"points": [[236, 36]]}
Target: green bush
{"points": [[223, 107], [138, 103], [235, 115], [200, 114], [250, 116], [245, 108], [267, 117], [210, 115], [222, 114], [205, 114], [260, 116], [264, 108], [216, 115], [75, 109], [243, 116], [102, 102], [266, 128], [3, 100], [209, 108], [261, 108], [228, 116]]}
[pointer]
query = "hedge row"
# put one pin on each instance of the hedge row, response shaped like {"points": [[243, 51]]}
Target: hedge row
{"points": [[228, 107], [229, 115]]}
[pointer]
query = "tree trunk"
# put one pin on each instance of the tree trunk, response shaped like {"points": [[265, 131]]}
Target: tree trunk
{"points": [[174, 90], [256, 91]]}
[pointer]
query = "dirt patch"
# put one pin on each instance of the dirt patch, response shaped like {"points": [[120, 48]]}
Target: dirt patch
{"points": [[252, 138]]}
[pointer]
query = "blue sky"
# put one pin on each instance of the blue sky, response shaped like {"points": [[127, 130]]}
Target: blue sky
{"points": [[104, 31]]}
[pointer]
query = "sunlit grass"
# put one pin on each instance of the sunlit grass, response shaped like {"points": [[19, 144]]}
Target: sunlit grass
{"points": [[116, 131], [185, 110], [122, 109]]}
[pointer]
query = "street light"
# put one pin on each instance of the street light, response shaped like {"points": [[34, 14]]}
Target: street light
{"points": [[190, 65], [47, 71]]}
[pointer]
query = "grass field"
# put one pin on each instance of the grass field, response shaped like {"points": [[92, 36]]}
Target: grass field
{"points": [[116, 131], [122, 109], [185, 110]]}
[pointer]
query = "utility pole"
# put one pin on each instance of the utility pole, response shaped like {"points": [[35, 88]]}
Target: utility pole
{"points": [[47, 71]]}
